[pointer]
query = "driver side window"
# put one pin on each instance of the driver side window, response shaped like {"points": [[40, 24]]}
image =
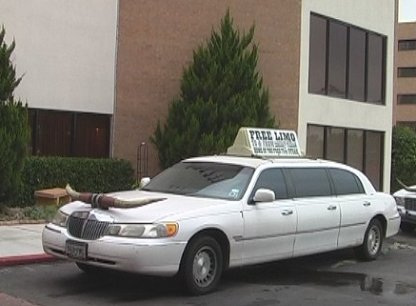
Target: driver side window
{"points": [[274, 180]]}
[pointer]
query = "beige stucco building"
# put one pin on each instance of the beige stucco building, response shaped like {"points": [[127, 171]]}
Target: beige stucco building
{"points": [[405, 72], [328, 66]]}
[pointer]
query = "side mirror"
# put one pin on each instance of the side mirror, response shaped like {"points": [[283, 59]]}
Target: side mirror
{"points": [[264, 195], [143, 182]]}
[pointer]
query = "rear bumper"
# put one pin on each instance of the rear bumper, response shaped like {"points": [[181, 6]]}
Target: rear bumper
{"points": [[393, 226], [407, 215]]}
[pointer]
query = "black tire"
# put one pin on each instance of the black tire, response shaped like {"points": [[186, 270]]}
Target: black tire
{"points": [[202, 265], [407, 227], [373, 241]]}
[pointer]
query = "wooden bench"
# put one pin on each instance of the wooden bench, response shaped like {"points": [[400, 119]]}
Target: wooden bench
{"points": [[53, 196]]}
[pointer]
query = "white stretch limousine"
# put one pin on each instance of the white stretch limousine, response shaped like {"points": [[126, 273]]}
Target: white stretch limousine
{"points": [[207, 214]]}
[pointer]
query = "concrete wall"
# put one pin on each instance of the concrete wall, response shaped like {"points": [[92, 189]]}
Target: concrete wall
{"points": [[66, 50], [374, 15], [156, 40]]}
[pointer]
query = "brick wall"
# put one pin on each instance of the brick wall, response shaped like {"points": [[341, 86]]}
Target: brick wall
{"points": [[155, 42]]}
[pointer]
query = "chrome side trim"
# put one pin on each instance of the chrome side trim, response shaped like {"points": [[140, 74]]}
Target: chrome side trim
{"points": [[353, 224], [395, 218], [241, 238]]}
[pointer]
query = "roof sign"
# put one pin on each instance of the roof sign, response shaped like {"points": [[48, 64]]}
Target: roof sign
{"points": [[265, 142]]}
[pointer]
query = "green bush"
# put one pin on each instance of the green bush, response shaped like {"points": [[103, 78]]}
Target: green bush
{"points": [[403, 161], [83, 174]]}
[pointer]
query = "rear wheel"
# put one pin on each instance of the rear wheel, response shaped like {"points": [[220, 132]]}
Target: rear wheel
{"points": [[373, 241], [407, 227], [202, 265]]}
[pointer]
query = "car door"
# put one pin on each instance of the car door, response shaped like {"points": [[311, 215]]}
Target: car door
{"points": [[318, 211], [269, 227], [355, 205]]}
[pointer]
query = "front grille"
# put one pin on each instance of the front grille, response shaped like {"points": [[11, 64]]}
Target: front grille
{"points": [[81, 227], [410, 203]]}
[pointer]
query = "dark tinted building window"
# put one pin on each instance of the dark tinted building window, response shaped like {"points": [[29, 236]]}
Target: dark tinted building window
{"points": [[361, 149], [315, 144], [356, 67], [310, 182], [409, 44], [91, 135], [375, 75], [272, 179], [355, 149], [406, 72], [346, 61], [53, 133], [337, 60], [409, 124], [345, 182], [374, 157], [334, 149], [317, 55], [59, 133], [406, 99]]}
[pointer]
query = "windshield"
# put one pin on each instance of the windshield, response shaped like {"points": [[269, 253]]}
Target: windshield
{"points": [[203, 179]]}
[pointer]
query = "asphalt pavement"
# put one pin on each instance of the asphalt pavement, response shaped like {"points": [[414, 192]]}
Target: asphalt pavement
{"points": [[21, 244]]}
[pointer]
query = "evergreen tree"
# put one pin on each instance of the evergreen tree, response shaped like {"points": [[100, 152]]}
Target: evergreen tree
{"points": [[221, 91], [8, 80], [14, 129], [403, 159]]}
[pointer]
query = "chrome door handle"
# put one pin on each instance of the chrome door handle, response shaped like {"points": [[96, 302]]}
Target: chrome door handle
{"points": [[287, 212], [332, 207], [366, 203]]}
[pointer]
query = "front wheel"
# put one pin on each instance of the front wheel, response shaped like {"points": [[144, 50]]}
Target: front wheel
{"points": [[373, 241], [202, 265]]}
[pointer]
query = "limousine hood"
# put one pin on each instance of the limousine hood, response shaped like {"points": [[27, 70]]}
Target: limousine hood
{"points": [[167, 207]]}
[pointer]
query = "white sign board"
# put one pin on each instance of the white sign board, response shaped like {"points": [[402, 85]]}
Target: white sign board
{"points": [[265, 142]]}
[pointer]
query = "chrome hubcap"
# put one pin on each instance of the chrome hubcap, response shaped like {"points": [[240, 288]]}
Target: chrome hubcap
{"points": [[204, 266], [373, 240]]}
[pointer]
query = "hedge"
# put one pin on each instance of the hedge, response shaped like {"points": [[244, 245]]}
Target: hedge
{"points": [[83, 174]]}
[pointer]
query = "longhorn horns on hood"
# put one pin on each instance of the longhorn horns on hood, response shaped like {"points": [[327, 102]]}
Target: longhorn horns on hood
{"points": [[407, 188], [99, 200]]}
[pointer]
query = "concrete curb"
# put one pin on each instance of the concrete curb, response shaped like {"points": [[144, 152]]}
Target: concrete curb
{"points": [[7, 300], [25, 259], [21, 222]]}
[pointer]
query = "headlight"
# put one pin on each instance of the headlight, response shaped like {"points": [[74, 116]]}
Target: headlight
{"points": [[60, 219], [399, 201], [160, 230]]}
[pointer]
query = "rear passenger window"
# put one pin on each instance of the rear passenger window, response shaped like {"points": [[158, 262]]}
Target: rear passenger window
{"points": [[272, 179], [346, 182], [310, 182]]}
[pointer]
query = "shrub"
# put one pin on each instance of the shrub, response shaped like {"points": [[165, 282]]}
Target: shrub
{"points": [[14, 127], [403, 161], [83, 174]]}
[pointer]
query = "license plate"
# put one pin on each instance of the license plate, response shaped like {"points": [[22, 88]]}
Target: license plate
{"points": [[76, 250]]}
